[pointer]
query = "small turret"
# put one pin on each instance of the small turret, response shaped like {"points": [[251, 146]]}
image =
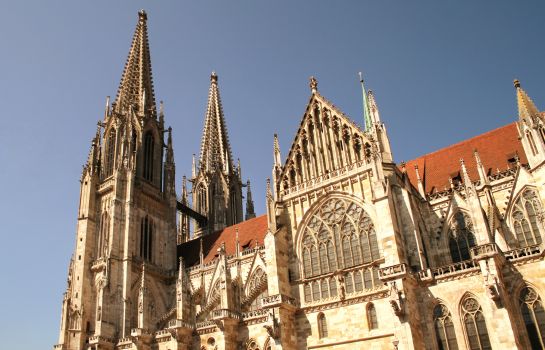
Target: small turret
{"points": [[250, 214]]}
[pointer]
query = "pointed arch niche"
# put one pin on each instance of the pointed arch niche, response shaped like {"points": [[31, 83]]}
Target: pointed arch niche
{"points": [[525, 218]]}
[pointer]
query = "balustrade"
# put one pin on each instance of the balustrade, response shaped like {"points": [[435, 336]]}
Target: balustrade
{"points": [[392, 272], [484, 250], [521, 253], [462, 266], [205, 324], [224, 313], [321, 178]]}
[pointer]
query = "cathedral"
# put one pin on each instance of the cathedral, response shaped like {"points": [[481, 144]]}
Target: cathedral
{"points": [[354, 252]]}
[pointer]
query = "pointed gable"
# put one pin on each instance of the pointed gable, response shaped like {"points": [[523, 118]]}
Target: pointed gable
{"points": [[326, 140], [136, 86]]}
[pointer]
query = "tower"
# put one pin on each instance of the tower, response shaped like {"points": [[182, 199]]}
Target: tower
{"points": [[127, 215], [216, 184]]}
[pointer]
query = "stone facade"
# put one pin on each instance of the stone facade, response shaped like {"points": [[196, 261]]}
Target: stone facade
{"points": [[442, 252]]}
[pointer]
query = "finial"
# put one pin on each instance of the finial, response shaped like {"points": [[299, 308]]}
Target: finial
{"points": [[268, 190], [214, 77], [193, 167], [361, 77], [161, 108], [516, 82], [107, 108], [142, 15], [313, 85]]}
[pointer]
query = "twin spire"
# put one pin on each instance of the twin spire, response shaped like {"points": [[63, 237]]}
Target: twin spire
{"points": [[136, 87], [215, 149]]}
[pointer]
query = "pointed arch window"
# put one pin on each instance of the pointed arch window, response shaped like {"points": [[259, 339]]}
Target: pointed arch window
{"points": [[475, 325], [372, 320], [461, 237], [444, 328], [525, 218], [533, 315], [339, 235], [149, 148], [322, 326], [110, 154], [146, 238]]}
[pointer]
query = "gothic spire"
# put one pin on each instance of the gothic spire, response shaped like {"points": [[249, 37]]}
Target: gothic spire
{"points": [[527, 108], [136, 87], [215, 149]]}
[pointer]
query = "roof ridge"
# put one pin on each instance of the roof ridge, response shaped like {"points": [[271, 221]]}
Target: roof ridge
{"points": [[459, 143]]}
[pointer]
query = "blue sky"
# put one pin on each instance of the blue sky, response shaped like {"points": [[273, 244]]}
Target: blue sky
{"points": [[441, 71]]}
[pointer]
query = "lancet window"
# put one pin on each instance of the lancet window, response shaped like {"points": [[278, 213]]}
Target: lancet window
{"points": [[444, 328], [372, 320], [149, 145], [110, 154], [461, 237], [339, 235], [525, 220], [533, 315], [146, 238], [103, 234], [531, 142], [257, 289], [475, 325]]}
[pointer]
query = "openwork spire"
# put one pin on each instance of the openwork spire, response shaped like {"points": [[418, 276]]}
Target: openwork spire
{"points": [[136, 87], [215, 149], [527, 108]]}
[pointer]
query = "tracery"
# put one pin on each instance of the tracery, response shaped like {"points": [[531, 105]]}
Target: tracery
{"points": [[339, 235]]}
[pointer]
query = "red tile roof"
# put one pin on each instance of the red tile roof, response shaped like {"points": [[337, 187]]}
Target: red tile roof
{"points": [[495, 148], [250, 234]]}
